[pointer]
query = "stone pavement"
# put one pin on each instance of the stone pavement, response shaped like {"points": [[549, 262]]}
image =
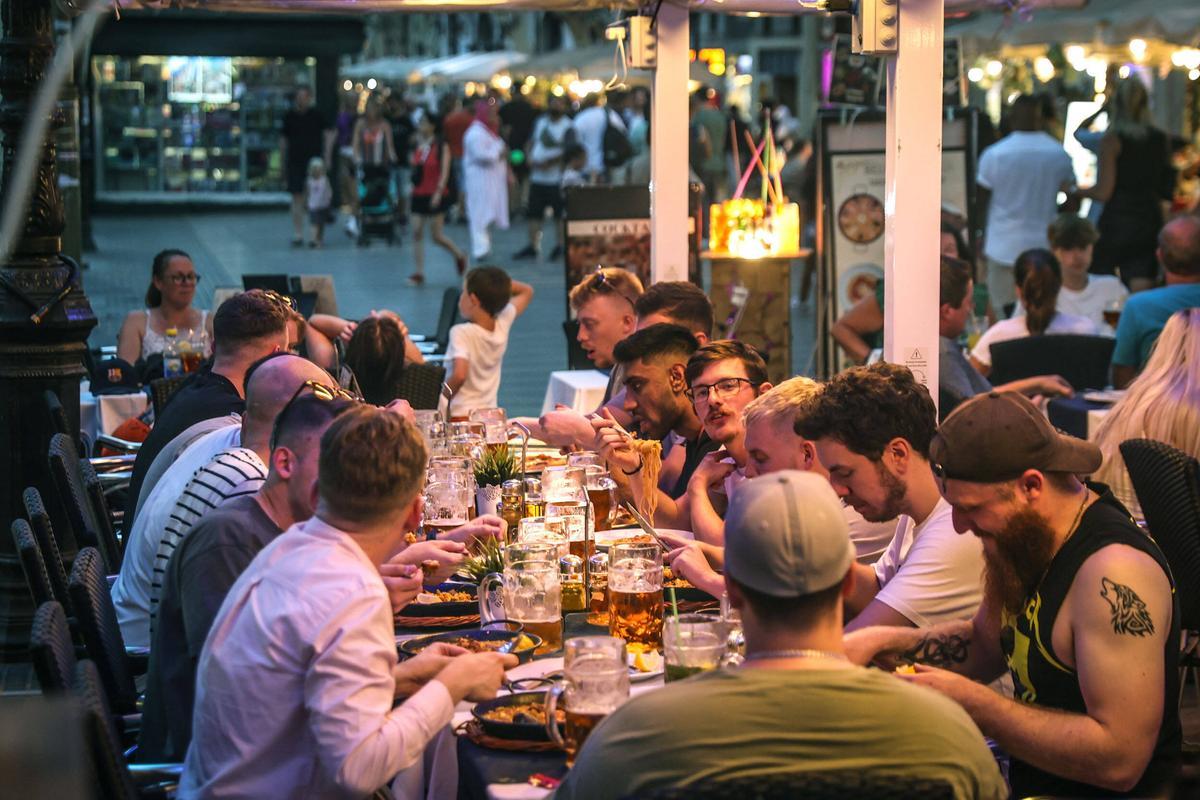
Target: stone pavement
{"points": [[226, 244]]}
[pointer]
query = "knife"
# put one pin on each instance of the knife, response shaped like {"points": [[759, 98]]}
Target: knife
{"points": [[644, 524]]}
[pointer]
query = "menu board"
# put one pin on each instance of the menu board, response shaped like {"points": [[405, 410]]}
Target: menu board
{"points": [[855, 78]]}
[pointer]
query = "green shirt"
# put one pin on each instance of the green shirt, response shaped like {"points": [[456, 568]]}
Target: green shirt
{"points": [[745, 722]]}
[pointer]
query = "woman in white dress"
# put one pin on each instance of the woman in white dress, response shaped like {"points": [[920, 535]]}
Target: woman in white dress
{"points": [[485, 178]]}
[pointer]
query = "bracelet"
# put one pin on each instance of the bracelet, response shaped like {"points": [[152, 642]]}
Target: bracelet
{"points": [[641, 463]]}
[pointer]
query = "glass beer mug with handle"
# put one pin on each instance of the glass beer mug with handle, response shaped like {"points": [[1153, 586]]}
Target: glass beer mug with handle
{"points": [[595, 683], [529, 591], [635, 595]]}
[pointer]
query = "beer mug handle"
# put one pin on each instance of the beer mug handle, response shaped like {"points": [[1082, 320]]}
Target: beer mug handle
{"points": [[552, 695], [487, 589]]}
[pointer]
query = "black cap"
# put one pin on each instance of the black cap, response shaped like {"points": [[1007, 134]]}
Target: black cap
{"points": [[115, 376]]}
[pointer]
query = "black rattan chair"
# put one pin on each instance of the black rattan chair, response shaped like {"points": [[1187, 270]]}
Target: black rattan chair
{"points": [[162, 390], [1167, 483], [832, 785], [32, 563], [115, 778], [97, 620], [421, 384], [93, 487], [1082, 360], [43, 532], [67, 470], [447, 316], [51, 649]]}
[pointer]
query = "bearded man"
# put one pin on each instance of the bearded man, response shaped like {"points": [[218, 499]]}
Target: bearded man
{"points": [[1078, 603]]}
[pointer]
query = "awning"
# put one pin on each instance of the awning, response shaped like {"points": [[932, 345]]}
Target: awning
{"points": [[468, 66], [1100, 22], [596, 62], [392, 68]]}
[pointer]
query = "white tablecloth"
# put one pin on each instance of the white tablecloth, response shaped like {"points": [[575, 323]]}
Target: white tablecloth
{"points": [[106, 412], [580, 390]]}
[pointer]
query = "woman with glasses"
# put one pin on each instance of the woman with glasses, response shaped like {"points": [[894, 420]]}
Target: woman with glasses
{"points": [[169, 298]]}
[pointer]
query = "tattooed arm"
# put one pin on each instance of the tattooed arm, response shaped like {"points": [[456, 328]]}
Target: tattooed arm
{"points": [[968, 647]]}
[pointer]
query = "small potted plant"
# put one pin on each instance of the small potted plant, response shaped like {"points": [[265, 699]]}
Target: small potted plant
{"points": [[496, 466]]}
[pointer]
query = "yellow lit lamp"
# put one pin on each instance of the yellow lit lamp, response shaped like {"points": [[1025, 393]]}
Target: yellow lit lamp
{"points": [[756, 228]]}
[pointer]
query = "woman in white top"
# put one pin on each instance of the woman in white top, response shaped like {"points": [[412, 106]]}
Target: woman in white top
{"points": [[1038, 281], [486, 178], [1163, 404], [169, 298]]}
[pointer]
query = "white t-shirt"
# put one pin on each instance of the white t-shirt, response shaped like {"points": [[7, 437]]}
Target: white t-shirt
{"points": [[871, 539], [589, 126], [1090, 301], [1014, 328], [484, 352], [1024, 172], [549, 139], [931, 573]]}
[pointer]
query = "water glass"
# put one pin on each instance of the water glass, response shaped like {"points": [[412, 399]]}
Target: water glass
{"points": [[574, 514], [495, 425], [693, 643], [563, 483], [635, 595], [545, 530], [595, 683]]}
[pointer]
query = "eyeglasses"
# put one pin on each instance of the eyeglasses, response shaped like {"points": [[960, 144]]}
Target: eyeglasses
{"points": [[181, 279], [724, 388], [321, 391], [600, 282]]}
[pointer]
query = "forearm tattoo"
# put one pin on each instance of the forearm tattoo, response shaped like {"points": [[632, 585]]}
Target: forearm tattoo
{"points": [[1129, 613], [939, 651]]}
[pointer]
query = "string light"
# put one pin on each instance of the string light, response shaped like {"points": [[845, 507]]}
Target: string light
{"points": [[1043, 68], [974, 74], [994, 68]]}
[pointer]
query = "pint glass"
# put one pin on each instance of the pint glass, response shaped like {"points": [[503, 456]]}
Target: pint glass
{"points": [[635, 597]]}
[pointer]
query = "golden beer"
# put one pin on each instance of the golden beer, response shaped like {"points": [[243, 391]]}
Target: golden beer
{"points": [[584, 550], [433, 528], [602, 501], [598, 605], [549, 630], [578, 725], [636, 617]]}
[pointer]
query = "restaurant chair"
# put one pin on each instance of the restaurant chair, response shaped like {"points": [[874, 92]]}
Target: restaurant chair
{"points": [[51, 649], [162, 390], [95, 490], [436, 342], [97, 619], [811, 785], [43, 532], [1082, 360], [32, 564], [67, 470], [421, 385], [114, 777], [1167, 484]]}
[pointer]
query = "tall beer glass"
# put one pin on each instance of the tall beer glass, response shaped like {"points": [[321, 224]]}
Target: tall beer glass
{"points": [[595, 683], [530, 592], [635, 595]]}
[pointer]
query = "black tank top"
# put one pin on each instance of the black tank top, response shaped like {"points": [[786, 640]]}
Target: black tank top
{"points": [[1041, 679]]}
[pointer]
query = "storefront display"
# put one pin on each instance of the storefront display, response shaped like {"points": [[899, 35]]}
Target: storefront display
{"points": [[191, 124]]}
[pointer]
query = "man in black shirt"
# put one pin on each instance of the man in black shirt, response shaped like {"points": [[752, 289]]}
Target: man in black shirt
{"points": [[305, 135], [654, 360], [1078, 604], [246, 328]]}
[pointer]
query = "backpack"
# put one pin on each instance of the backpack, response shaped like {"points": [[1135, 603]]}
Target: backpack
{"points": [[617, 149]]}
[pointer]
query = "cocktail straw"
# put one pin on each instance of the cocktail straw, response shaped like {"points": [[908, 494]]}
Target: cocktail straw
{"points": [[674, 605]]}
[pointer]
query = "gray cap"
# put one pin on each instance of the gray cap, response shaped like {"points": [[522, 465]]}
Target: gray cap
{"points": [[786, 535]]}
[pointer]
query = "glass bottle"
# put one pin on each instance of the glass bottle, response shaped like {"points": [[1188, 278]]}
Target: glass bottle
{"points": [[535, 501], [574, 598], [511, 508], [172, 357]]}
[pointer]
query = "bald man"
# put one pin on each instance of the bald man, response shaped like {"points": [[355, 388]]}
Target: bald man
{"points": [[1145, 313], [223, 464]]}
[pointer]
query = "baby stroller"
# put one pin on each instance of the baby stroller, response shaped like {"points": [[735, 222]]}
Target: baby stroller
{"points": [[377, 203]]}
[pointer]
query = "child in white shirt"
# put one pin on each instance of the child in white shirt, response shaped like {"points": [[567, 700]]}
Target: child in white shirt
{"points": [[318, 197], [490, 302]]}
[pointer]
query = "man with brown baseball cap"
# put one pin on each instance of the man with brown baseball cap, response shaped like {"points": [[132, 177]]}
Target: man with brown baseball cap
{"points": [[1078, 603], [796, 704]]}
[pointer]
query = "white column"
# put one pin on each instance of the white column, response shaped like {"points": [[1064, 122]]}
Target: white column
{"points": [[669, 148], [914, 192]]}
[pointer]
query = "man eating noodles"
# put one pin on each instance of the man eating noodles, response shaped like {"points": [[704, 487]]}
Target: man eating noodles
{"points": [[1079, 605], [796, 705]]}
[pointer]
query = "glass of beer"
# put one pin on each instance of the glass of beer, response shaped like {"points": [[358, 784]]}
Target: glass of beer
{"points": [[563, 483], [545, 530], [600, 489], [598, 586], [635, 595], [446, 504], [430, 424], [495, 427], [693, 643], [1112, 313], [529, 591], [574, 514], [595, 683]]}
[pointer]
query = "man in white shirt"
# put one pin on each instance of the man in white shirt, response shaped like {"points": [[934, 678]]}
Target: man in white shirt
{"points": [[269, 387], [1019, 179], [1085, 295], [299, 675], [590, 124], [872, 427], [552, 134]]}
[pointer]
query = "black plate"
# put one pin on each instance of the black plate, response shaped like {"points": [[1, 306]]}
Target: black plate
{"points": [[688, 594], [494, 631], [525, 731], [444, 609]]}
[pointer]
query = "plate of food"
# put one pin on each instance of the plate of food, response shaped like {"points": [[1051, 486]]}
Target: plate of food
{"points": [[644, 666], [521, 715], [635, 535], [478, 640], [537, 459], [451, 599], [685, 592]]}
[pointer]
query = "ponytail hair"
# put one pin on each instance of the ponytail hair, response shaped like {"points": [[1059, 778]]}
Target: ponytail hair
{"points": [[1039, 277], [159, 270]]}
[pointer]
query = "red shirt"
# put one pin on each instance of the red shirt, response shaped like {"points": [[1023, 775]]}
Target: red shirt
{"points": [[454, 127], [429, 161]]}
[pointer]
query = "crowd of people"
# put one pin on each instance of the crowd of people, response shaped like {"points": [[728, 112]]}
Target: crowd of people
{"points": [[265, 546]]}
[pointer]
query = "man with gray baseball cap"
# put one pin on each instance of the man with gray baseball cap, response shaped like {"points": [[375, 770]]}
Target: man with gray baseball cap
{"points": [[1078, 604], [796, 704]]}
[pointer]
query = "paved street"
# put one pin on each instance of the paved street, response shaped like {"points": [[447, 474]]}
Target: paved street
{"points": [[227, 244]]}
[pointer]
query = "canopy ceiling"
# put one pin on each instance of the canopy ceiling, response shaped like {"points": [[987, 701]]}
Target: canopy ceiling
{"points": [[1102, 22]]}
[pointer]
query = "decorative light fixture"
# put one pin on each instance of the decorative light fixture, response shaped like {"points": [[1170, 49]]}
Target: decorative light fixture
{"points": [[371, 84], [1138, 48], [994, 68], [1043, 68], [974, 74]]}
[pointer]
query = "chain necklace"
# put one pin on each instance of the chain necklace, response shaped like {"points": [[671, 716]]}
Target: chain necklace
{"points": [[763, 655], [1087, 493]]}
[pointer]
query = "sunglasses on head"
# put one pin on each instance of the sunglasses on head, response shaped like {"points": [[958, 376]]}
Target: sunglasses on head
{"points": [[600, 282], [321, 391], [276, 297]]}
